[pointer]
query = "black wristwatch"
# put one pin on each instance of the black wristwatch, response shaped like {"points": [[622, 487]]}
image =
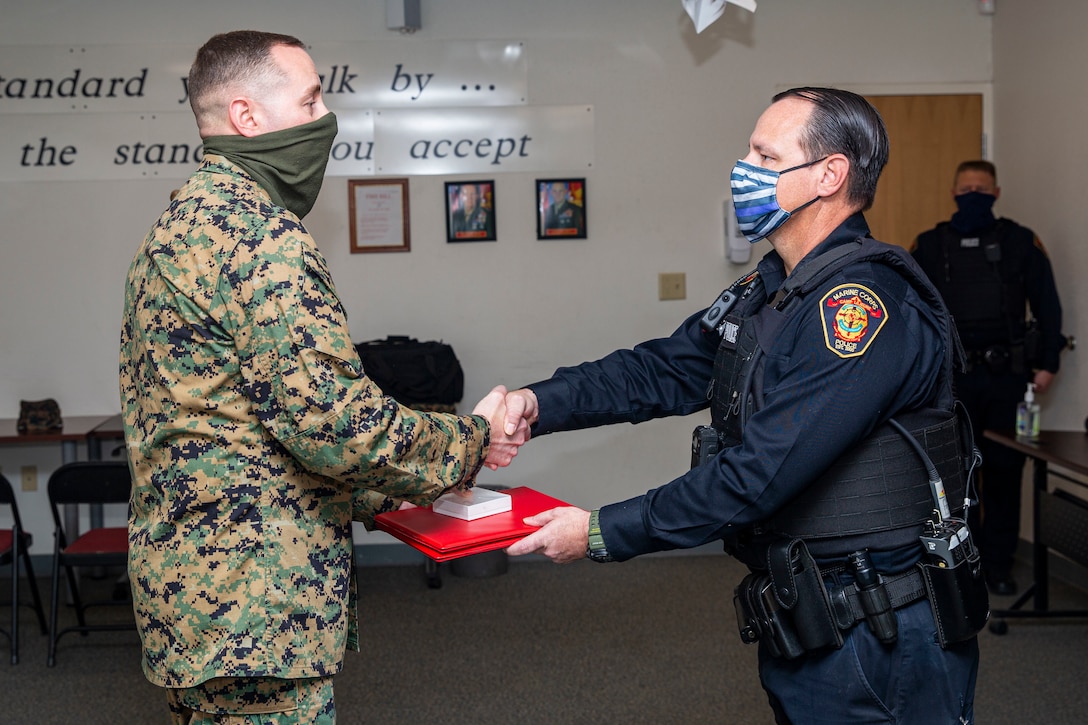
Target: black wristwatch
{"points": [[596, 550]]}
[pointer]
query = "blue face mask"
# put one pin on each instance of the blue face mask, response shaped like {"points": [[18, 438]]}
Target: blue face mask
{"points": [[975, 212], [755, 199]]}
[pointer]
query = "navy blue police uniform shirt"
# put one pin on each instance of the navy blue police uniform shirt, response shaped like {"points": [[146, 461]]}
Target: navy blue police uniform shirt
{"points": [[820, 399]]}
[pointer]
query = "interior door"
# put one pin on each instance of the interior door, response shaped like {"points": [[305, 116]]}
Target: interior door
{"points": [[930, 135]]}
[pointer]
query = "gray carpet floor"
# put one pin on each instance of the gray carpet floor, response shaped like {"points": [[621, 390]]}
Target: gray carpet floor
{"points": [[649, 641]]}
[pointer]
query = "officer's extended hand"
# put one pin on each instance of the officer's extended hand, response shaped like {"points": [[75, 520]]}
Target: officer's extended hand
{"points": [[563, 536], [504, 445]]}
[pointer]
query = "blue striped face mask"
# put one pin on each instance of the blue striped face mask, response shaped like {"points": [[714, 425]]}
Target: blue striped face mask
{"points": [[755, 199]]}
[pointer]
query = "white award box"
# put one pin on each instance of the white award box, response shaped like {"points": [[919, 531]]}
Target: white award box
{"points": [[478, 503]]}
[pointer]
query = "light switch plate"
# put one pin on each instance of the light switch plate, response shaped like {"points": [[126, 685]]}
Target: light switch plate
{"points": [[672, 286]]}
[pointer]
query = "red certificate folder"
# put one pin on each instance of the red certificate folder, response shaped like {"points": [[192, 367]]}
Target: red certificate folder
{"points": [[445, 537]]}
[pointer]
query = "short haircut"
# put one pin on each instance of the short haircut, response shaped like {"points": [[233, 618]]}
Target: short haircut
{"points": [[238, 59], [977, 165], [845, 123]]}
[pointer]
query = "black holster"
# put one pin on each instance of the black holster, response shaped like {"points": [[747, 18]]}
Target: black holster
{"points": [[792, 610], [788, 607]]}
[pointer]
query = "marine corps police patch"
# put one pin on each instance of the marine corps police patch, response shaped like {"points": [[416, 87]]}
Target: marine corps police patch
{"points": [[852, 315]]}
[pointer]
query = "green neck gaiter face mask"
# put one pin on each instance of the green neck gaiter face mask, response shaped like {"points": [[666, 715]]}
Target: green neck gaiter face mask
{"points": [[289, 164]]}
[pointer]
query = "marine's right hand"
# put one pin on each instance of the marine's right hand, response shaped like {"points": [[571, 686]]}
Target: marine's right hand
{"points": [[521, 408]]}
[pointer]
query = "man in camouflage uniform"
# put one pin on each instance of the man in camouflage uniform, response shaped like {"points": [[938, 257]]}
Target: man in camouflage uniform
{"points": [[253, 433]]}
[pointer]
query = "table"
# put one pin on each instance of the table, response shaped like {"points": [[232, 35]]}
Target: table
{"points": [[76, 429], [112, 428], [1059, 519]]}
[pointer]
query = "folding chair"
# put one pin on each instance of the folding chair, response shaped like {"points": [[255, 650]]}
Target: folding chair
{"points": [[87, 482], [14, 543]]}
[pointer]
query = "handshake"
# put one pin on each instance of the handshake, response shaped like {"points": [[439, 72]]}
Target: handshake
{"points": [[510, 414], [563, 533]]}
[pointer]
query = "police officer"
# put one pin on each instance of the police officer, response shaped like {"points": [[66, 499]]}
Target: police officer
{"points": [[805, 361], [990, 271]]}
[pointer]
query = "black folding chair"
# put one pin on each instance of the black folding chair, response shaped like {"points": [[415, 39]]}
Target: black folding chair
{"points": [[89, 482], [14, 543]]}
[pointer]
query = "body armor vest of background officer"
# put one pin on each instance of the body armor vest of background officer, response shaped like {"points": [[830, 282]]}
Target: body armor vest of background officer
{"points": [[905, 485], [983, 285]]}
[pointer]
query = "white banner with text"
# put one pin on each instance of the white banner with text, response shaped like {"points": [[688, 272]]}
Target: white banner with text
{"points": [[375, 74], [119, 146], [403, 107]]}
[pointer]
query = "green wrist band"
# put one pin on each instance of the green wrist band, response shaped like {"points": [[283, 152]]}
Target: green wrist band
{"points": [[596, 550]]}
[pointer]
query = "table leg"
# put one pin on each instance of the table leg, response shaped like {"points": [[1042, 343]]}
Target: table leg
{"points": [[1040, 560], [94, 453], [69, 453]]}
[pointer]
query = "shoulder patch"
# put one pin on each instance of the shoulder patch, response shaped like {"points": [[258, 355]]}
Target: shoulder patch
{"points": [[852, 316], [1039, 245]]}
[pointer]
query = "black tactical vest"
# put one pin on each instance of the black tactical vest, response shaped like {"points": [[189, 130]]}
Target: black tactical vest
{"points": [[982, 281], [847, 507]]}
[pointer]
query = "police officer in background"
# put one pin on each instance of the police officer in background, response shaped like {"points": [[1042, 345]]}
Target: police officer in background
{"points": [[989, 272], [805, 364]]}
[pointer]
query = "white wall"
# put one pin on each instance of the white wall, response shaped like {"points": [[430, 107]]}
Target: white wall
{"points": [[1042, 161], [673, 112]]}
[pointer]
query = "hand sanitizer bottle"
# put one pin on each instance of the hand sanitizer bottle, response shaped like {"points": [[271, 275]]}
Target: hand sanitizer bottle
{"points": [[1027, 416]]}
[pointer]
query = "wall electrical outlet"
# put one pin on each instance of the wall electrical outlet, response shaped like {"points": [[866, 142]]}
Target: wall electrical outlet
{"points": [[672, 286], [29, 475]]}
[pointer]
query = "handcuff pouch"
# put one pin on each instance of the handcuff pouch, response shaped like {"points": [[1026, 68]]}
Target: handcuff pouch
{"points": [[799, 588]]}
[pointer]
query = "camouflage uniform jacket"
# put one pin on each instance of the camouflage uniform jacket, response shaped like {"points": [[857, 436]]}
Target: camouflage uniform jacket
{"points": [[251, 432]]}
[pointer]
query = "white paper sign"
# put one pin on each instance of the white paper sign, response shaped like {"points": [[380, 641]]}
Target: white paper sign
{"points": [[705, 12], [379, 215]]}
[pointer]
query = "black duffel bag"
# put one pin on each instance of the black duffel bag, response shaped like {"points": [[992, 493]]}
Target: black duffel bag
{"points": [[413, 373]]}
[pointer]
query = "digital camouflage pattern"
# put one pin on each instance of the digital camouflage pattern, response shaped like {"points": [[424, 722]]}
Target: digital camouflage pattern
{"points": [[254, 437], [293, 702]]}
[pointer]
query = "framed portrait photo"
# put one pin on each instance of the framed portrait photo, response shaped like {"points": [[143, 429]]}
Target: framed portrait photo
{"points": [[379, 215], [470, 211], [561, 209]]}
